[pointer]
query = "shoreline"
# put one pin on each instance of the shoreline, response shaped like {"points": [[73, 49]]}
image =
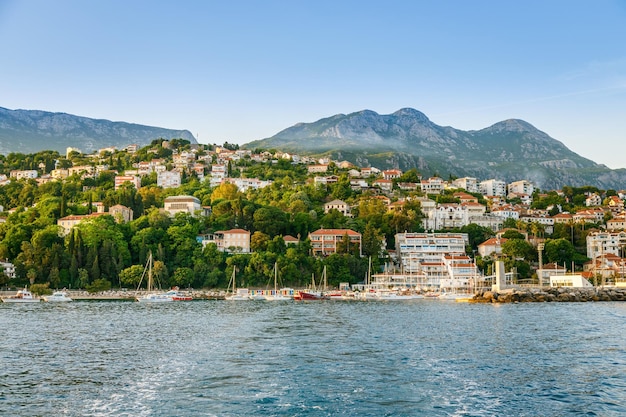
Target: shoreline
{"points": [[557, 294]]}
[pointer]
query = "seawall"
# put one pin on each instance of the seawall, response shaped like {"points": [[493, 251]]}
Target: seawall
{"points": [[561, 294]]}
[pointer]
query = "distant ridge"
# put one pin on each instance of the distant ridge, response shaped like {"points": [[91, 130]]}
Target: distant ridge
{"points": [[30, 131], [509, 150]]}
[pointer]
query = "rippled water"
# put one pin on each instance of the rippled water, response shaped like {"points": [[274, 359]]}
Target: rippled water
{"points": [[431, 358]]}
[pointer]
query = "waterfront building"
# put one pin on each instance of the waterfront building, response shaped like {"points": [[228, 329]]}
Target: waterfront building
{"points": [[602, 243], [325, 241], [439, 257]]}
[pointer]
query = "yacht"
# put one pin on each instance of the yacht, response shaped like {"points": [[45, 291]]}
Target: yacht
{"points": [[22, 296], [57, 297]]}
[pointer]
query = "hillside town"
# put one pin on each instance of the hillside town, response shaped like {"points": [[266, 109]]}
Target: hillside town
{"points": [[78, 220]]}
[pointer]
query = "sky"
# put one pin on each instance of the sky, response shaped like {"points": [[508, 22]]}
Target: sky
{"points": [[239, 71]]}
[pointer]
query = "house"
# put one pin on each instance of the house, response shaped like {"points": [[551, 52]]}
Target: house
{"points": [[317, 168], [465, 197], [66, 223], [433, 185], [290, 240], [385, 185], [616, 223], [134, 180], [492, 246], [234, 240], [8, 268], [390, 174], [548, 270], [182, 203], [593, 200], [325, 241], [340, 206], [122, 214]]}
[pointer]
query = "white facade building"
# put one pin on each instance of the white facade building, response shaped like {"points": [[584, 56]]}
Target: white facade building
{"points": [[492, 188], [169, 179]]}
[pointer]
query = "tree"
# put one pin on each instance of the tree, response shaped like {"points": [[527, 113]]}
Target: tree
{"points": [[372, 241], [183, 277], [131, 275], [560, 251], [518, 249]]}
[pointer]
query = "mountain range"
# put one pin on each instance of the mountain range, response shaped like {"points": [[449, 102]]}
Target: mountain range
{"points": [[509, 150], [30, 131]]}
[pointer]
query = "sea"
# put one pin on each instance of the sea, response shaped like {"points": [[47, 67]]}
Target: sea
{"points": [[328, 358]]}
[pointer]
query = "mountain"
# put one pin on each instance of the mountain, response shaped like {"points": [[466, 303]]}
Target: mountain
{"points": [[30, 131], [509, 150]]}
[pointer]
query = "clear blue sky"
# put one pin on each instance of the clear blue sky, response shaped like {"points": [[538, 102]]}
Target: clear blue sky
{"points": [[243, 70]]}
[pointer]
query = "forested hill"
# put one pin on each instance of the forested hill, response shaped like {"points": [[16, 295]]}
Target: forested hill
{"points": [[31, 131]]}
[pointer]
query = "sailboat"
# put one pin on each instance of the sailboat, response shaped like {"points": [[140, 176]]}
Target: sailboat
{"points": [[152, 297], [313, 294], [276, 296], [236, 294]]}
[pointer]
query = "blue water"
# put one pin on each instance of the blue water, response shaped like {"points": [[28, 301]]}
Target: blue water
{"points": [[205, 358]]}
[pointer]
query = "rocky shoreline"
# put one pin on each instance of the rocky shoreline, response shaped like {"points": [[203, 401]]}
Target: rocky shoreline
{"points": [[561, 294]]}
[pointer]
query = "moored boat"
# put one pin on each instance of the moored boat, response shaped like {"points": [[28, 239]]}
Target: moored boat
{"points": [[236, 294], [58, 297], [276, 295], [313, 294], [22, 296], [152, 297]]}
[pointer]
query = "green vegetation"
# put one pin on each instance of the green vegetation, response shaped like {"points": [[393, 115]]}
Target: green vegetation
{"points": [[101, 253]]}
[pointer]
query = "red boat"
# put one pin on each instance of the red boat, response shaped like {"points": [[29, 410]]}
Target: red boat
{"points": [[308, 295], [313, 294]]}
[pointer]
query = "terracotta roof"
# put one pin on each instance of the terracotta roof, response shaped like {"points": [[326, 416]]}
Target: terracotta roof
{"points": [[335, 232]]}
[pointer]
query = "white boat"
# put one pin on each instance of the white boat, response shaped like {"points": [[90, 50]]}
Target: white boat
{"points": [[276, 295], [236, 294], [152, 297], [388, 295], [57, 297], [22, 296]]}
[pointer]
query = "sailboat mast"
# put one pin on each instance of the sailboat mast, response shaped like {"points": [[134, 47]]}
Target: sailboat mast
{"points": [[150, 283]]}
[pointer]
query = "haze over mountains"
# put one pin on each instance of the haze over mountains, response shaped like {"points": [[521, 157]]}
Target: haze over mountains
{"points": [[509, 150], [30, 131]]}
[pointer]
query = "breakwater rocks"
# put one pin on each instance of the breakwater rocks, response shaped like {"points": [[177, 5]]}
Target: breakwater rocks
{"points": [[561, 294]]}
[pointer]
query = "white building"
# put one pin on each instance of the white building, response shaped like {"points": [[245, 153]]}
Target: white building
{"points": [[169, 179], [438, 257], [433, 185], [603, 243], [467, 183], [340, 206], [23, 174], [521, 187], [492, 187], [182, 204]]}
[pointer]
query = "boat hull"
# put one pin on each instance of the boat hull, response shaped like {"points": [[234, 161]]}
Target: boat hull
{"points": [[310, 296]]}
